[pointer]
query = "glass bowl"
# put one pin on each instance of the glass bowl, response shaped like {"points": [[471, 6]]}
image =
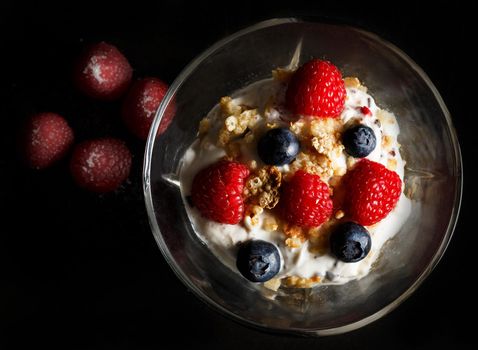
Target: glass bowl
{"points": [[429, 145]]}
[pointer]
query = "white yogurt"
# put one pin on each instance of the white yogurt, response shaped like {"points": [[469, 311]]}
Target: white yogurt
{"points": [[222, 239]]}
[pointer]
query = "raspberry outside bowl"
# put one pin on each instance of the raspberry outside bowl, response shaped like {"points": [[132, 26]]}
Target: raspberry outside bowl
{"points": [[433, 178]]}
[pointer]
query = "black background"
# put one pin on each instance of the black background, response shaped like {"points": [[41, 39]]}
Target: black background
{"points": [[81, 271]]}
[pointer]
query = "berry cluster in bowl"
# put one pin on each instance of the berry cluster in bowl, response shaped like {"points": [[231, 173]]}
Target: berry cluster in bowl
{"points": [[297, 180]]}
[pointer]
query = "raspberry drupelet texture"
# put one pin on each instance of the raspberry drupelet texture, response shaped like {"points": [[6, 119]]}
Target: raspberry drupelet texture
{"points": [[45, 139], [372, 192], [316, 89], [217, 191], [305, 200], [141, 104], [100, 165], [102, 72]]}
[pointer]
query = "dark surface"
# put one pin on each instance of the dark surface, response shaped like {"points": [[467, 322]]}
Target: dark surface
{"points": [[81, 271]]}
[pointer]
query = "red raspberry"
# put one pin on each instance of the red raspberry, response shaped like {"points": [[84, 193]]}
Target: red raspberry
{"points": [[316, 89], [217, 191], [305, 200], [372, 191], [141, 104], [100, 165], [365, 110], [102, 72], [45, 139]]}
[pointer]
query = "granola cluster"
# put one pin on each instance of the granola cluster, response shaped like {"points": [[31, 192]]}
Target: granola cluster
{"points": [[262, 187], [320, 141], [237, 120], [262, 192]]}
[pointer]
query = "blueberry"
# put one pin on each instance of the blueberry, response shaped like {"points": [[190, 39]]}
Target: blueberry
{"points": [[350, 242], [258, 261], [359, 141], [278, 147]]}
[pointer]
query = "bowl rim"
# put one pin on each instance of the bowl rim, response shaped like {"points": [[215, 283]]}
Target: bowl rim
{"points": [[458, 168]]}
